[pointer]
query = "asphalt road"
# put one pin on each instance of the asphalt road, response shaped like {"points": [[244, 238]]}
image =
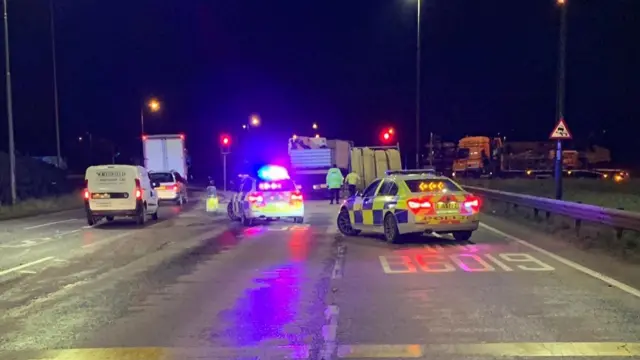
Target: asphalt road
{"points": [[195, 286]]}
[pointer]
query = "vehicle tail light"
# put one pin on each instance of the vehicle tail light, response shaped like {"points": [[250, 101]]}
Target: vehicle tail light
{"points": [[138, 189], [172, 187], [296, 196], [86, 192], [471, 204], [255, 198], [420, 205]]}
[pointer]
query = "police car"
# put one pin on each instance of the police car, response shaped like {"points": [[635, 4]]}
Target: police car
{"points": [[271, 195], [411, 202]]}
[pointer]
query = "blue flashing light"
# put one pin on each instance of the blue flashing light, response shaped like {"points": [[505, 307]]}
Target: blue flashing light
{"points": [[273, 173]]}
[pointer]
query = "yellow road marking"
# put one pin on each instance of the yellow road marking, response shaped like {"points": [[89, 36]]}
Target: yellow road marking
{"points": [[361, 351], [380, 351]]}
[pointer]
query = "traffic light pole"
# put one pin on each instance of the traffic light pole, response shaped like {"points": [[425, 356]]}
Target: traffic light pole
{"points": [[224, 171]]}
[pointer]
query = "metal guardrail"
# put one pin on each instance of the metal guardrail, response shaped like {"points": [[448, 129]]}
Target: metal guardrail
{"points": [[617, 219]]}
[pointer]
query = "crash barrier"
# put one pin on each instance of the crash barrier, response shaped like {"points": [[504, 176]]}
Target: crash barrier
{"points": [[620, 220]]}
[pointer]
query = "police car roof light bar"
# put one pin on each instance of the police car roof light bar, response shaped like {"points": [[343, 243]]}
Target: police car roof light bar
{"points": [[412, 172]]}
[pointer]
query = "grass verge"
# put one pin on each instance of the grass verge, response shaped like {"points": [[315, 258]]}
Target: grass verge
{"points": [[624, 195], [31, 207]]}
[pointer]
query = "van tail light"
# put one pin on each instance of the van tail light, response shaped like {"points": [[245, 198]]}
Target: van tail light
{"points": [[255, 198], [138, 190], [172, 187], [420, 205], [296, 196], [471, 204], [86, 194]]}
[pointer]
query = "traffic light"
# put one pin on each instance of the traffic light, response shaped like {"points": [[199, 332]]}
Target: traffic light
{"points": [[387, 135], [225, 143]]}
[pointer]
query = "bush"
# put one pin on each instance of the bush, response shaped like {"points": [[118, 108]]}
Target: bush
{"points": [[35, 179]]}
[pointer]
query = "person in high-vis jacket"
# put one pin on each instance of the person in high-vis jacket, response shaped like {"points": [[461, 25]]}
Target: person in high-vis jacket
{"points": [[352, 180], [334, 182]]}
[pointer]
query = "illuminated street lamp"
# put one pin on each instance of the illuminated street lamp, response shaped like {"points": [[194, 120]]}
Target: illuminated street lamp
{"points": [[317, 136], [154, 106], [314, 126], [254, 120]]}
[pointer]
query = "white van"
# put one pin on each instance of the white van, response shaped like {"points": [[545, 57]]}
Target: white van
{"points": [[119, 190]]}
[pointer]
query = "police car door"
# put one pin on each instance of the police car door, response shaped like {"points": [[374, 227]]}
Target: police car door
{"points": [[384, 199], [363, 207]]}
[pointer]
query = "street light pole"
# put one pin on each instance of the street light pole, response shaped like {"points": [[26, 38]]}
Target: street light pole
{"points": [[418, 60], [12, 146], [562, 50], [55, 82], [141, 121]]}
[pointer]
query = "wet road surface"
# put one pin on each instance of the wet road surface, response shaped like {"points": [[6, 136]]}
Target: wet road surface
{"points": [[196, 286]]}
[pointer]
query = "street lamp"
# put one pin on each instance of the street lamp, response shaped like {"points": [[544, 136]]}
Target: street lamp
{"points": [[418, 61], [562, 50], [12, 146], [254, 120], [154, 106], [314, 126]]}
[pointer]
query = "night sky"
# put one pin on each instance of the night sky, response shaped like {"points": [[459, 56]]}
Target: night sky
{"points": [[488, 66]]}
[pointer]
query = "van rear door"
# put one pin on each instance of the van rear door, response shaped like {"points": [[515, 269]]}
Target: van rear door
{"points": [[112, 187]]}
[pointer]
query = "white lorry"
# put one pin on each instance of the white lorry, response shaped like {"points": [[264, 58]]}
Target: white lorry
{"points": [[165, 153]]}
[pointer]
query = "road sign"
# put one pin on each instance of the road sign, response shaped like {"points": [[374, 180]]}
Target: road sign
{"points": [[561, 131]]}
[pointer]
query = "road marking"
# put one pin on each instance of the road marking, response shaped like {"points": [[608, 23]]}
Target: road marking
{"points": [[583, 269], [8, 271], [27, 272], [49, 224], [329, 332], [438, 263], [552, 349], [336, 273], [105, 240], [372, 351]]}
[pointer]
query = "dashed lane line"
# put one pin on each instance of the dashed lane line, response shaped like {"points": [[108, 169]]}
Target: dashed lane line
{"points": [[17, 268], [583, 269], [49, 224]]}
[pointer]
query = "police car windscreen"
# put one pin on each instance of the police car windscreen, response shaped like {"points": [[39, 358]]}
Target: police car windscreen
{"points": [[432, 185], [161, 177], [282, 185]]}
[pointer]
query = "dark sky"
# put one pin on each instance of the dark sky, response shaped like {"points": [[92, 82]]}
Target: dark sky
{"points": [[488, 66]]}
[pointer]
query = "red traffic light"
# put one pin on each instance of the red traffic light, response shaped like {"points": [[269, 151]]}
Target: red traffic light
{"points": [[386, 136], [225, 140]]}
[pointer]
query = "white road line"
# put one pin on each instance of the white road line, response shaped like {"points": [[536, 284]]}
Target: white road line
{"points": [[329, 332], [336, 273], [27, 272], [583, 269], [105, 240], [49, 224], [9, 271]]}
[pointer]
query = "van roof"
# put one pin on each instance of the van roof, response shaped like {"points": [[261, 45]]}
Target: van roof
{"points": [[113, 166]]}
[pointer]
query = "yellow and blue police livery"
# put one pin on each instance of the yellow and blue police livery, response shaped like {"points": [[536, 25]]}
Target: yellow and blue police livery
{"points": [[271, 195], [411, 202]]}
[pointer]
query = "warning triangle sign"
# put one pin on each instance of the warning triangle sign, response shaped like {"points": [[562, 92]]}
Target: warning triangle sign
{"points": [[561, 131]]}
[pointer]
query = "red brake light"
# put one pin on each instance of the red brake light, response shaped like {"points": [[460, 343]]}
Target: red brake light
{"points": [[417, 205], [471, 204], [86, 192], [138, 189], [296, 196], [255, 197]]}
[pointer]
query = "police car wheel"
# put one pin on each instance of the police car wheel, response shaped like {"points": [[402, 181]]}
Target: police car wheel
{"points": [[391, 232], [154, 216], [462, 235], [344, 224]]}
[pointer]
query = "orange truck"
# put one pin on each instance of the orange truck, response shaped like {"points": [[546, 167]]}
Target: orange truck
{"points": [[484, 156]]}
